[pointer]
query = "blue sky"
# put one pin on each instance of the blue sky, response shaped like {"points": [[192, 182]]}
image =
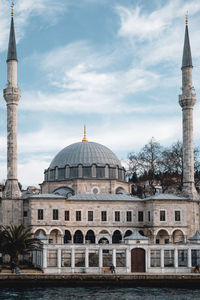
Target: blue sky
{"points": [[113, 65]]}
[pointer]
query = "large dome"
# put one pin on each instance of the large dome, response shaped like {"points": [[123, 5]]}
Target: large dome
{"points": [[85, 153]]}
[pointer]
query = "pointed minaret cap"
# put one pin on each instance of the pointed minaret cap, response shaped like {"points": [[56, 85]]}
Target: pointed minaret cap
{"points": [[12, 50], [187, 57], [84, 138]]}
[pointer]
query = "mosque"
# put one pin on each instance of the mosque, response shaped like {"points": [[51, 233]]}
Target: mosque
{"points": [[85, 215]]}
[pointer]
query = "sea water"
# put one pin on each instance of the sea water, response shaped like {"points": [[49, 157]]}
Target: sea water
{"points": [[98, 293]]}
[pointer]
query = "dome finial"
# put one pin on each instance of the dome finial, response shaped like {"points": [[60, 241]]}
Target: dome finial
{"points": [[84, 138], [186, 18], [12, 9]]}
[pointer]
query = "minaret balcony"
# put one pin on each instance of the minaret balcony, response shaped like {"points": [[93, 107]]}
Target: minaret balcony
{"points": [[187, 101], [12, 95]]}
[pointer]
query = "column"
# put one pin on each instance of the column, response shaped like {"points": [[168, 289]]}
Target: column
{"points": [[128, 260], [148, 258], [185, 239], [176, 258], [59, 259], [162, 259], [114, 257], [72, 259], [100, 258], [170, 238], [189, 258], [87, 258], [154, 239], [44, 258]]}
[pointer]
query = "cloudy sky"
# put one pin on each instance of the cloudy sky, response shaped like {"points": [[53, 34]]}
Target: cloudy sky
{"points": [[113, 65]]}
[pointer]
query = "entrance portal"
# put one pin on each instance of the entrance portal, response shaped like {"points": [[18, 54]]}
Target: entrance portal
{"points": [[137, 260]]}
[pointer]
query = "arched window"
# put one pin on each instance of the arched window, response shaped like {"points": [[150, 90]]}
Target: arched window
{"points": [[103, 240], [90, 237], [78, 237], [127, 233], [67, 237], [117, 237]]}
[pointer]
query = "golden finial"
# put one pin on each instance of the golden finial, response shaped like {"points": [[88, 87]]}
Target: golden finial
{"points": [[186, 20], [12, 7], [84, 138]]}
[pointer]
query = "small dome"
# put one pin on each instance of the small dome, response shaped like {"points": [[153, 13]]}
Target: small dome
{"points": [[85, 153]]}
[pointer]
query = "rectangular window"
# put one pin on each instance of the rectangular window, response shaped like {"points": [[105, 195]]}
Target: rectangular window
{"points": [[129, 216], [140, 216], [117, 216], [104, 216], [55, 214], [162, 215], [149, 216], [177, 215], [40, 214], [78, 215], [66, 215], [169, 258], [25, 213], [182, 258], [90, 215], [155, 258], [195, 258]]}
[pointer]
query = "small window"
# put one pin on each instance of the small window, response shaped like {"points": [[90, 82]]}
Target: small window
{"points": [[149, 216], [40, 214], [117, 216], [129, 216], [177, 215], [90, 215], [55, 214], [140, 216], [104, 216], [25, 213], [66, 215], [78, 215], [162, 215]]}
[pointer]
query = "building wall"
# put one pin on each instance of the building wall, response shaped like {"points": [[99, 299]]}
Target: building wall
{"points": [[86, 186]]}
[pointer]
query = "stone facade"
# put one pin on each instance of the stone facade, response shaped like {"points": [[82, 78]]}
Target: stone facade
{"points": [[86, 186]]}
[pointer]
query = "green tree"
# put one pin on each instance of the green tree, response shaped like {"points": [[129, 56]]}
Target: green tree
{"points": [[18, 240]]}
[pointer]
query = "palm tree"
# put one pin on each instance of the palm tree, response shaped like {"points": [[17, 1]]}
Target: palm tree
{"points": [[17, 240]]}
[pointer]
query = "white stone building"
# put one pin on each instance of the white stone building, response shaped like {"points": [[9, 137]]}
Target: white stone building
{"points": [[85, 215]]}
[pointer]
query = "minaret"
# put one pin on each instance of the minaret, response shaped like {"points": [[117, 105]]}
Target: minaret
{"points": [[187, 101], [12, 95]]}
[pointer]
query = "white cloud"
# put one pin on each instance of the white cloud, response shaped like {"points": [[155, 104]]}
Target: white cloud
{"points": [[158, 36], [23, 11]]}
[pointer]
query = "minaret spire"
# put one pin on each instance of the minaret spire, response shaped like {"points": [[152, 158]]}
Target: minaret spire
{"points": [[187, 101], [12, 95], [85, 137], [12, 50], [187, 56]]}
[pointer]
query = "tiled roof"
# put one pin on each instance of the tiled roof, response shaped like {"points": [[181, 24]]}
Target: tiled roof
{"points": [[86, 153], [195, 237], [104, 197], [161, 196], [136, 236]]}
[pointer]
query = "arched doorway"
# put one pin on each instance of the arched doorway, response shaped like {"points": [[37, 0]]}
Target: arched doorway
{"points": [[90, 237], [103, 240], [117, 237], [162, 237], [127, 233], [78, 237], [138, 260], [178, 236], [67, 237]]}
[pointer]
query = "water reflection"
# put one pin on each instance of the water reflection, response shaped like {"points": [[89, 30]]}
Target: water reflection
{"points": [[99, 293]]}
